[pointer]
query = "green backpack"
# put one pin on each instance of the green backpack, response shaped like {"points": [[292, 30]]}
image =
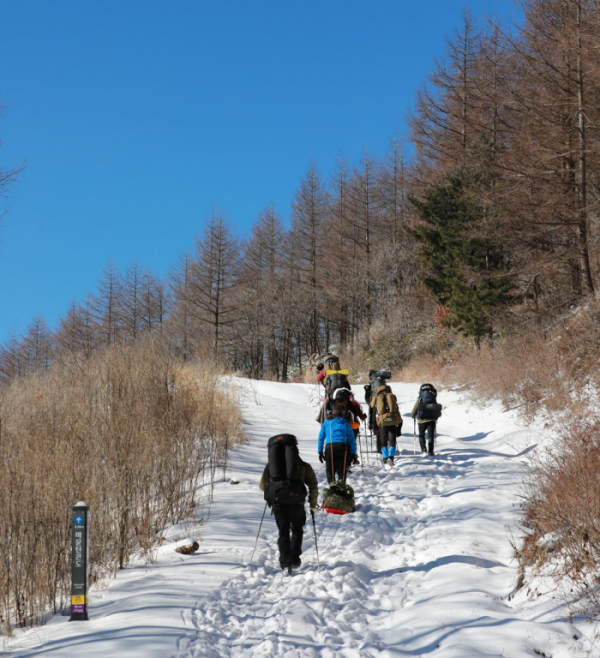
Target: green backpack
{"points": [[339, 498]]}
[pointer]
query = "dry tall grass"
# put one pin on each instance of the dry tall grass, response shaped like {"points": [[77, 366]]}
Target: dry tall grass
{"points": [[133, 433], [562, 514], [525, 372]]}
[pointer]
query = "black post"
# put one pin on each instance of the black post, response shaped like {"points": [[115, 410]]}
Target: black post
{"points": [[79, 562]]}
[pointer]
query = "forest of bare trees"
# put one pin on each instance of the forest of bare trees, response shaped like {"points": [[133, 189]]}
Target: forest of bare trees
{"points": [[483, 219], [511, 111], [264, 304]]}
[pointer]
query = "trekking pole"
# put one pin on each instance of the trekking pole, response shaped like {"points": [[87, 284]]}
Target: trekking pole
{"points": [[361, 452], [331, 447], [316, 546], [414, 439], [365, 428], [258, 533]]}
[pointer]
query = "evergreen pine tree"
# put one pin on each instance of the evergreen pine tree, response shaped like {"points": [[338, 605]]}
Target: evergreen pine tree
{"points": [[464, 270]]}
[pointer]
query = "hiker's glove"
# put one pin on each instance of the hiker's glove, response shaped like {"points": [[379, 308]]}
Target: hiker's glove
{"points": [[320, 367], [355, 459], [321, 457], [363, 416]]}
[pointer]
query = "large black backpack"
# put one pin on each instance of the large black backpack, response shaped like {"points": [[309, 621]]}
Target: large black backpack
{"points": [[428, 407], [286, 487], [337, 379]]}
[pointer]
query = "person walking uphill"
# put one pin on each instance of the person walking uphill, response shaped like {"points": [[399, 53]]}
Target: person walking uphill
{"points": [[427, 411], [337, 445], [284, 482]]}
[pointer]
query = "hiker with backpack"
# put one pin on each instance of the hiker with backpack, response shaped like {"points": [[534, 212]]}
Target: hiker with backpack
{"points": [[333, 379], [357, 414], [337, 445], [389, 421], [426, 412], [352, 409], [377, 378], [327, 362], [284, 482]]}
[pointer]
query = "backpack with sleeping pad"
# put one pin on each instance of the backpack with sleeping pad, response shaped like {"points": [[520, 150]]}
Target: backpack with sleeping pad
{"points": [[428, 407], [386, 406], [330, 361], [286, 487], [336, 379]]}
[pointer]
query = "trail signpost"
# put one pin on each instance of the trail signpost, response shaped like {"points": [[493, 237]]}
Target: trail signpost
{"points": [[79, 562]]}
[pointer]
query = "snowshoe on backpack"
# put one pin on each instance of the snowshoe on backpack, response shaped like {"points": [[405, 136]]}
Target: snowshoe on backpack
{"points": [[378, 378]]}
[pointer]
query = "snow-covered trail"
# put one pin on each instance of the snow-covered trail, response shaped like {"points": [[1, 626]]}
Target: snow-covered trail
{"points": [[423, 566]]}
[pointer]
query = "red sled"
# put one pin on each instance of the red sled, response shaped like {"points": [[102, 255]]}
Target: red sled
{"points": [[333, 510]]}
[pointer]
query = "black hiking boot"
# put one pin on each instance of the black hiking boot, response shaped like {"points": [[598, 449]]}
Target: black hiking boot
{"points": [[391, 461], [297, 563], [430, 452], [287, 571]]}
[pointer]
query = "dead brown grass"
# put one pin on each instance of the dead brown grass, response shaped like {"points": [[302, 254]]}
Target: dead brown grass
{"points": [[562, 513], [524, 372], [133, 433]]}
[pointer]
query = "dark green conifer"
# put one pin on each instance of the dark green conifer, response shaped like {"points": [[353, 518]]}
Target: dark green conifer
{"points": [[463, 269]]}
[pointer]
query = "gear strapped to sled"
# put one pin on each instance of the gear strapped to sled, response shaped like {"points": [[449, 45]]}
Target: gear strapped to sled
{"points": [[338, 498], [285, 487]]}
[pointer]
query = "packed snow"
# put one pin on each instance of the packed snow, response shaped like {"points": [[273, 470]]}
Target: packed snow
{"points": [[424, 566]]}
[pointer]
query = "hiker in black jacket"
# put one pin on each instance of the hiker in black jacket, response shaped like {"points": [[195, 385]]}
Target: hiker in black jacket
{"points": [[427, 418], [291, 517]]}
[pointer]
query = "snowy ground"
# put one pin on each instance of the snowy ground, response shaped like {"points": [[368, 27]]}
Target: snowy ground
{"points": [[423, 567]]}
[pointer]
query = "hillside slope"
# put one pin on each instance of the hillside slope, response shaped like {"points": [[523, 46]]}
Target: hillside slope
{"points": [[423, 566]]}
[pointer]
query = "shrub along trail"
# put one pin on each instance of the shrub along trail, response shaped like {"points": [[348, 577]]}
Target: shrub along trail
{"points": [[423, 567]]}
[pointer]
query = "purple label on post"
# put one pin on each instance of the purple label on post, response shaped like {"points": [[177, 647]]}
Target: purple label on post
{"points": [[78, 609]]}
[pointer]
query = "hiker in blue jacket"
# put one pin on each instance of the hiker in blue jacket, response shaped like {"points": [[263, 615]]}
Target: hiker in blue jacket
{"points": [[337, 445]]}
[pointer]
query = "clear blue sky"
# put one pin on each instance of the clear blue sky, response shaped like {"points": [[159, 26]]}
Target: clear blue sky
{"points": [[135, 116]]}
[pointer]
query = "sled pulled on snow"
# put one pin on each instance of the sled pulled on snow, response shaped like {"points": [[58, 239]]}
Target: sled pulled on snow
{"points": [[338, 498]]}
